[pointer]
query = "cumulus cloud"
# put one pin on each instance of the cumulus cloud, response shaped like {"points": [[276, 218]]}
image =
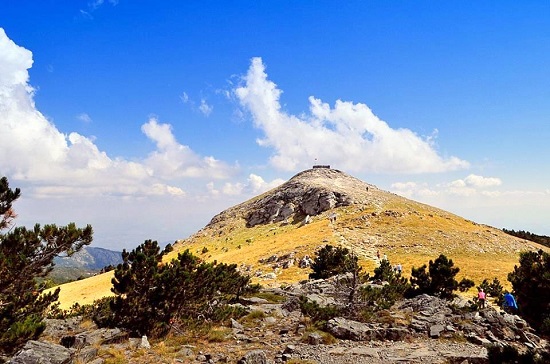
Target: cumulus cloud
{"points": [[254, 185], [413, 189], [205, 109], [347, 135], [482, 182], [472, 185], [59, 164]]}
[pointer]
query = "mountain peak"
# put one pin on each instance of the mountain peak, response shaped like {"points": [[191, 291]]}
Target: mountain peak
{"points": [[310, 192]]}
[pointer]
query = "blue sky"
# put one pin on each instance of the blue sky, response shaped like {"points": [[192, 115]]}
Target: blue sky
{"points": [[145, 120]]}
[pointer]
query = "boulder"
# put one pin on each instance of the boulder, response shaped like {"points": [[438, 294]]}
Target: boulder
{"points": [[435, 330], [254, 357], [39, 352], [352, 330]]}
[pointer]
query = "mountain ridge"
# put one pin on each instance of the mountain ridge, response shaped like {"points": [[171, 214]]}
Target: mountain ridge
{"points": [[269, 235], [368, 220]]}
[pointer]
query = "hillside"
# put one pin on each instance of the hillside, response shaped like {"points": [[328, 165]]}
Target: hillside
{"points": [[84, 263], [268, 235]]}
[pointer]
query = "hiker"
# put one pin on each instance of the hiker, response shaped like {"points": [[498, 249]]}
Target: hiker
{"points": [[481, 298], [509, 302], [378, 254], [399, 268]]}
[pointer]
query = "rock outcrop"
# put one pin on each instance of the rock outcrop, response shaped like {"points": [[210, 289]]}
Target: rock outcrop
{"points": [[308, 193], [423, 329]]}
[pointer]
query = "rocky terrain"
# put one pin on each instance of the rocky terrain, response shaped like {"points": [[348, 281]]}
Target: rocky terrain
{"points": [[273, 238], [267, 236], [423, 329]]}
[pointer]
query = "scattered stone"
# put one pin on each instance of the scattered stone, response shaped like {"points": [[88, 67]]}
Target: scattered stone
{"points": [[42, 352], [236, 325], [254, 357], [314, 338], [478, 340], [145, 343], [435, 330]]}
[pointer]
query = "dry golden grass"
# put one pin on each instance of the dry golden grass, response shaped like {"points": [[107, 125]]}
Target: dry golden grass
{"points": [[85, 291], [408, 232]]}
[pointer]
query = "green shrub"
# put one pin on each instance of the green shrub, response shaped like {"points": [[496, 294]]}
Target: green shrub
{"points": [[319, 315], [150, 295], [330, 261], [438, 281], [531, 284], [465, 284]]}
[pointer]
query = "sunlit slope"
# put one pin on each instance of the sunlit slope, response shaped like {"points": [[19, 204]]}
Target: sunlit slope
{"points": [[367, 220], [85, 291]]}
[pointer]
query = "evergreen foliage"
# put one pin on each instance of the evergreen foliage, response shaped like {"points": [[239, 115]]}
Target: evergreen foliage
{"points": [[320, 315], [374, 299], [150, 295], [330, 261], [25, 256], [384, 272], [465, 284], [493, 289], [541, 239], [531, 285], [438, 281]]}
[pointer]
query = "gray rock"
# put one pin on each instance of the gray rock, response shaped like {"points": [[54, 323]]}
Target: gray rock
{"points": [[236, 325], [87, 354], [254, 357], [289, 349], [105, 336], [145, 343], [435, 330], [314, 339], [357, 331], [38, 352], [478, 340]]}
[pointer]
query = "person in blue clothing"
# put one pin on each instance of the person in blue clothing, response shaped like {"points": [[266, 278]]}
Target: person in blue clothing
{"points": [[509, 302]]}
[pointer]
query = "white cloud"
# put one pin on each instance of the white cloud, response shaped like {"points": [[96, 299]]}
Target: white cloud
{"points": [[58, 164], [96, 4], [472, 185], [411, 189], [84, 117], [205, 109], [404, 185], [254, 185], [480, 181], [347, 135], [184, 97], [93, 6]]}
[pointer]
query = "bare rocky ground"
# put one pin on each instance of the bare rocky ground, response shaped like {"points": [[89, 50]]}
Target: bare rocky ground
{"points": [[424, 329]]}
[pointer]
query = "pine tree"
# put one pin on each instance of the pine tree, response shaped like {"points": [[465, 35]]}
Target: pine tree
{"points": [[330, 261], [438, 281], [27, 254], [151, 294], [531, 283]]}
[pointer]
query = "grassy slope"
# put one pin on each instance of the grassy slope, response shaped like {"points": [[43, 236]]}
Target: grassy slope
{"points": [[409, 233]]}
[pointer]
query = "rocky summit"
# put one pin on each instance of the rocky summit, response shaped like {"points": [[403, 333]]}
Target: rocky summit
{"points": [[309, 193]]}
